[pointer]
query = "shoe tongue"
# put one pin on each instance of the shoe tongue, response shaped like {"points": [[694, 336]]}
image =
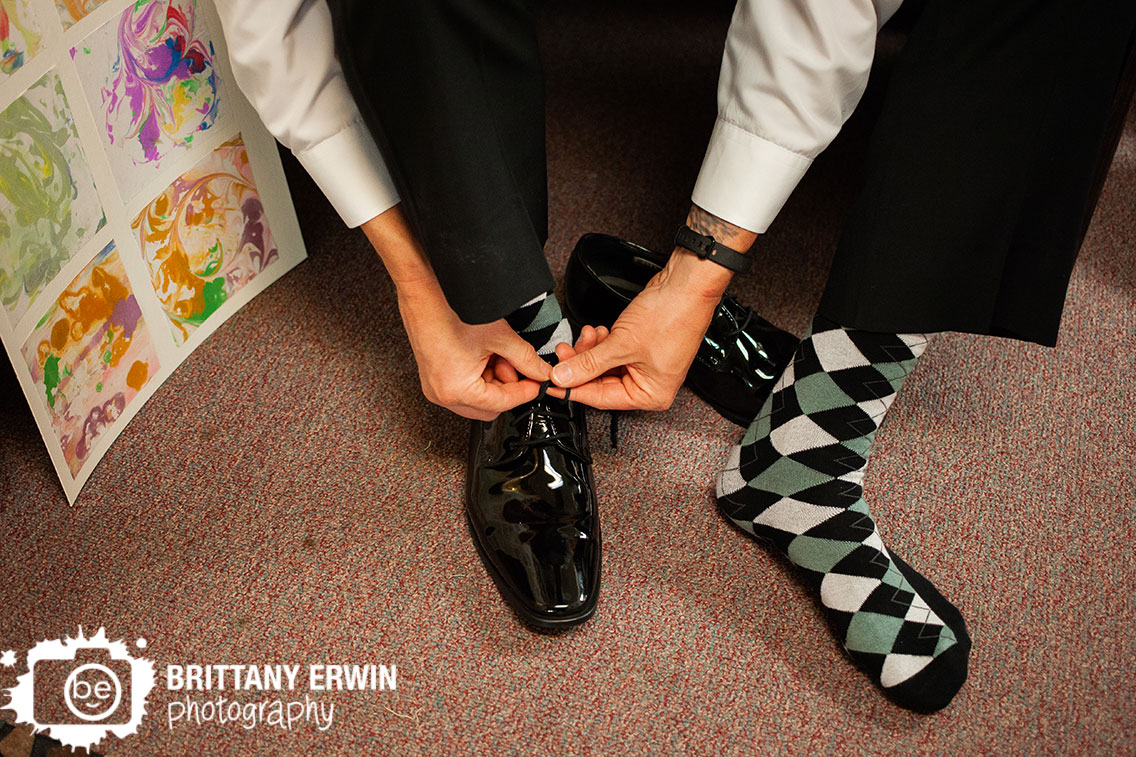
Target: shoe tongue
{"points": [[542, 423], [541, 426]]}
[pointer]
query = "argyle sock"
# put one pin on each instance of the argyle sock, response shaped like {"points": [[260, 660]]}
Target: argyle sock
{"points": [[541, 324], [796, 480]]}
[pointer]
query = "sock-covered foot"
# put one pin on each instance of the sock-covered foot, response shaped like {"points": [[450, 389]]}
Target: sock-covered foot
{"points": [[796, 480], [541, 324]]}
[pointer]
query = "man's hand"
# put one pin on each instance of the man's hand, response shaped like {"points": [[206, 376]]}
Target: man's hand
{"points": [[475, 371], [471, 370], [643, 361]]}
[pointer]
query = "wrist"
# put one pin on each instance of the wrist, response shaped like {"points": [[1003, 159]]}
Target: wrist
{"points": [[420, 292], [701, 275], [695, 276]]}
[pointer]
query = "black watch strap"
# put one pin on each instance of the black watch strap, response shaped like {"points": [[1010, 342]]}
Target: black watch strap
{"points": [[708, 248]]}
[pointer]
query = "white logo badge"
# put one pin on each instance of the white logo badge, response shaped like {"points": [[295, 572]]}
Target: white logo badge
{"points": [[101, 696]]}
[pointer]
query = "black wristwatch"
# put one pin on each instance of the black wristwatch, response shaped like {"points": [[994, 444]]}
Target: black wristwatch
{"points": [[708, 248]]}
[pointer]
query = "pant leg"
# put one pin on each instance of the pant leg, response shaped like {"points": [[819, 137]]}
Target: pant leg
{"points": [[453, 91], [981, 167]]}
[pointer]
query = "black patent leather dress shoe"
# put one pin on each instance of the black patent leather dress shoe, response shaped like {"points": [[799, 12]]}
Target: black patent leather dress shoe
{"points": [[532, 511], [742, 354]]}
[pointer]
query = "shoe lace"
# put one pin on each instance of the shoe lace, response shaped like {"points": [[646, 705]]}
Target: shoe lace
{"points": [[561, 421]]}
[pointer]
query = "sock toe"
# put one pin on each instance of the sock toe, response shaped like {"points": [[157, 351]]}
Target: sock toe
{"points": [[933, 688]]}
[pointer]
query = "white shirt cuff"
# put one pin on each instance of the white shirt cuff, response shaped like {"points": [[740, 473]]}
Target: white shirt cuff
{"points": [[351, 173], [746, 179]]}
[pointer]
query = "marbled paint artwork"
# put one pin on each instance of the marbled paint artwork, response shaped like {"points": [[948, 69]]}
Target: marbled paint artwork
{"points": [[205, 237], [150, 78], [90, 355], [20, 34], [71, 11], [48, 204]]}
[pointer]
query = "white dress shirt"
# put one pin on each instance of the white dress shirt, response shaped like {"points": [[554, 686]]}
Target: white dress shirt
{"points": [[792, 73]]}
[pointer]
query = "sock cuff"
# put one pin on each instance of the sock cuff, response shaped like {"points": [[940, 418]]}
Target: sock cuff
{"points": [[522, 318], [541, 323]]}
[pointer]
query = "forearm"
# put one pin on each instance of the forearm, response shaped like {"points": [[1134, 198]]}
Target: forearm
{"points": [[792, 72], [405, 260]]}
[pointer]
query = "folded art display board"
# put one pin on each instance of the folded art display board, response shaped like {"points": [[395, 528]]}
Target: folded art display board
{"points": [[142, 203]]}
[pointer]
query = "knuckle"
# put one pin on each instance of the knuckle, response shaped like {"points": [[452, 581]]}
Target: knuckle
{"points": [[446, 396], [588, 363]]}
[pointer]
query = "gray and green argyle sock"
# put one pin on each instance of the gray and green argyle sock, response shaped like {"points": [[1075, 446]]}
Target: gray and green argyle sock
{"points": [[541, 324], [796, 480]]}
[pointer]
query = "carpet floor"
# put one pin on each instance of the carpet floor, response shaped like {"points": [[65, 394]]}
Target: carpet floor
{"points": [[288, 496]]}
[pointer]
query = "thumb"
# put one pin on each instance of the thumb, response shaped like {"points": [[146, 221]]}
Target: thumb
{"points": [[589, 364], [523, 358]]}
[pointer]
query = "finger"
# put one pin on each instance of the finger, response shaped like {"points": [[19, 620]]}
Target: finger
{"points": [[523, 358], [497, 398], [605, 395], [584, 332], [589, 364], [587, 339], [472, 413], [504, 372], [564, 351], [614, 376]]}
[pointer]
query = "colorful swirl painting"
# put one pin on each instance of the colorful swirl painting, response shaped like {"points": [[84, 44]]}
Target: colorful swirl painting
{"points": [[150, 78], [48, 204], [205, 237], [71, 11], [20, 34], [90, 355]]}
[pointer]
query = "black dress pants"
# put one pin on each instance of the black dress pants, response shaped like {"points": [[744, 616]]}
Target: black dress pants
{"points": [[981, 171], [453, 92]]}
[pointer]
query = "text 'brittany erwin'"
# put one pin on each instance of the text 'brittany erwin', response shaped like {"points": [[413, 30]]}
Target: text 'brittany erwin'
{"points": [[280, 677]]}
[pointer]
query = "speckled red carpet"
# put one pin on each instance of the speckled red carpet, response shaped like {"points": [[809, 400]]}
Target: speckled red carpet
{"points": [[289, 497]]}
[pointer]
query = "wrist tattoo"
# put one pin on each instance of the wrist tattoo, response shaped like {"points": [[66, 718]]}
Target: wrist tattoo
{"points": [[707, 223]]}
